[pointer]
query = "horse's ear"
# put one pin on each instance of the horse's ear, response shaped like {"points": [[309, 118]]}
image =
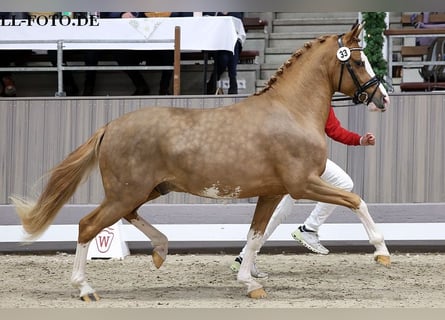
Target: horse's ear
{"points": [[357, 28], [360, 28], [354, 25], [355, 32]]}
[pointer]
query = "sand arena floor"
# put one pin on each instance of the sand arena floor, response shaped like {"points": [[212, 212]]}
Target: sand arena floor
{"points": [[338, 280]]}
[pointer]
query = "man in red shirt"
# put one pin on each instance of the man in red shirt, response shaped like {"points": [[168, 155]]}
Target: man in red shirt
{"points": [[307, 233]]}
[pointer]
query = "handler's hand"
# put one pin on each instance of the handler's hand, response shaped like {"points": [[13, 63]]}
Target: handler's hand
{"points": [[367, 140]]}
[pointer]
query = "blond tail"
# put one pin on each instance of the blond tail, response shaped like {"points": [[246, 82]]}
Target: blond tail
{"points": [[63, 182]]}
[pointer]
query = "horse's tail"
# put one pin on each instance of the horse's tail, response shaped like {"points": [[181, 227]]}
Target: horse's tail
{"points": [[63, 182]]}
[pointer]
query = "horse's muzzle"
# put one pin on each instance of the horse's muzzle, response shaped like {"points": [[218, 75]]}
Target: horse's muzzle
{"points": [[379, 104]]}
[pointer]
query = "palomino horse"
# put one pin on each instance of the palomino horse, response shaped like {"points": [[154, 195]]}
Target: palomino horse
{"points": [[268, 145]]}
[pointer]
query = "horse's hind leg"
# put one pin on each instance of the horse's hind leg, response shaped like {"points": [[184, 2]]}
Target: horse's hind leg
{"points": [[78, 279], [158, 240], [381, 255]]}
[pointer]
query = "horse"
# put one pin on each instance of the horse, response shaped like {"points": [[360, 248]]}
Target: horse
{"points": [[269, 144]]}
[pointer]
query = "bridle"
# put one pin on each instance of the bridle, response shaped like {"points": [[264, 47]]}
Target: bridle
{"points": [[360, 95]]}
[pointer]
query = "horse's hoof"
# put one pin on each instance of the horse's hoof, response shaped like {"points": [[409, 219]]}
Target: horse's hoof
{"points": [[383, 260], [90, 297], [157, 259], [257, 294]]}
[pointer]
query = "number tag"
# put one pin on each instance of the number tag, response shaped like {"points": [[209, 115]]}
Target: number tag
{"points": [[343, 54]]}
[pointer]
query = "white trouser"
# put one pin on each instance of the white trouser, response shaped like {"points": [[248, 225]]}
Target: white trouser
{"points": [[332, 174], [336, 176]]}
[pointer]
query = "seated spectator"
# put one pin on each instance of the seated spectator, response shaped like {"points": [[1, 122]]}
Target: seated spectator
{"points": [[225, 60], [422, 21], [8, 83], [91, 59], [9, 57]]}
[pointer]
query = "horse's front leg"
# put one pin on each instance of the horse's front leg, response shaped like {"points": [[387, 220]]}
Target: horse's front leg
{"points": [[319, 190], [381, 255], [263, 211]]}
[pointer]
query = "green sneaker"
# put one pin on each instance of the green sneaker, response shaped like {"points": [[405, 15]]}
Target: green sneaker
{"points": [[309, 239], [236, 264]]}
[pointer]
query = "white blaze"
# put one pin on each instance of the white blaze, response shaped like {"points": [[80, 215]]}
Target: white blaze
{"points": [[372, 74]]}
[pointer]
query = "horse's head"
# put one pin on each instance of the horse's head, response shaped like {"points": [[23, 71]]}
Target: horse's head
{"points": [[356, 77]]}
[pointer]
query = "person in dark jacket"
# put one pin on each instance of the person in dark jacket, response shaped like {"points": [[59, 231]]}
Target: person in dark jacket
{"points": [[226, 60]]}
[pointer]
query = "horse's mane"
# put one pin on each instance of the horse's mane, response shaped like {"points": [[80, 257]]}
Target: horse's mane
{"points": [[289, 61]]}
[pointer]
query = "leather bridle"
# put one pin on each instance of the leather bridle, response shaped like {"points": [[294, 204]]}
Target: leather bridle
{"points": [[360, 95]]}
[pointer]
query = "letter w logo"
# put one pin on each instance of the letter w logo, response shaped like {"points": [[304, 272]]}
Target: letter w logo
{"points": [[104, 240]]}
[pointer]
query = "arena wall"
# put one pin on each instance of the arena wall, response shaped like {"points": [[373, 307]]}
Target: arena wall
{"points": [[401, 178]]}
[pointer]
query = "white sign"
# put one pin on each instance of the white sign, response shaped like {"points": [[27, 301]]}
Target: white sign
{"points": [[108, 244]]}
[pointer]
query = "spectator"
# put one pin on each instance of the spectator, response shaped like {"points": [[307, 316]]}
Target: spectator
{"points": [[226, 60], [9, 57], [91, 59], [8, 83], [422, 21]]}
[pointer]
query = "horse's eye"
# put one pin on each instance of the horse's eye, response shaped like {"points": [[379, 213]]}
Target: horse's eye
{"points": [[360, 63]]}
